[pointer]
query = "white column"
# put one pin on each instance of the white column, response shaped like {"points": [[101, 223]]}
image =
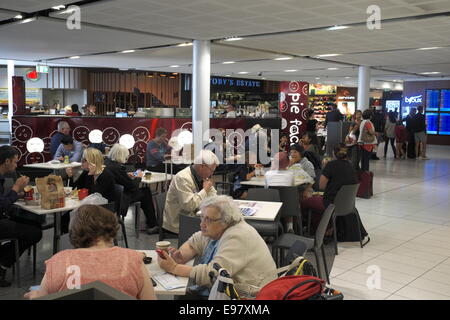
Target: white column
{"points": [[10, 92], [201, 73], [363, 88]]}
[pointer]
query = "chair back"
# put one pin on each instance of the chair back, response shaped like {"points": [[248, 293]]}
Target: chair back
{"points": [[188, 226], [323, 224], [118, 196], [318, 173], [290, 198], [160, 202], [345, 199], [110, 206], [260, 194], [298, 249]]}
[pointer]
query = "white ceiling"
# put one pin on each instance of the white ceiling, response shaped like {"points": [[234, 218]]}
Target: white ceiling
{"points": [[153, 23]]}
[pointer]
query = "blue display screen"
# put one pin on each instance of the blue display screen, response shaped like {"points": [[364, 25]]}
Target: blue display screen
{"points": [[444, 125], [432, 102], [445, 100], [432, 123]]}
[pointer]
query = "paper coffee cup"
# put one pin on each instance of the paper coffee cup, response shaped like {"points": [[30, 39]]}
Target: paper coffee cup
{"points": [[163, 245]]}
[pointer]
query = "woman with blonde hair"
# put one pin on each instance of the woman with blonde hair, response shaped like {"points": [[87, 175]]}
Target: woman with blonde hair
{"points": [[117, 157], [95, 177]]}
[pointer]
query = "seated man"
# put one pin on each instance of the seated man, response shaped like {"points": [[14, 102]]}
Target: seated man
{"points": [[63, 130], [188, 188], [26, 234], [225, 238], [69, 147], [157, 151], [244, 172], [279, 175]]}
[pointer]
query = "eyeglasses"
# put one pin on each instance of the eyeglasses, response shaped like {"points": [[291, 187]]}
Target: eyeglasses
{"points": [[208, 220]]}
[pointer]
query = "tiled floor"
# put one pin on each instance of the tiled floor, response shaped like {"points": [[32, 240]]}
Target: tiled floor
{"points": [[408, 221]]}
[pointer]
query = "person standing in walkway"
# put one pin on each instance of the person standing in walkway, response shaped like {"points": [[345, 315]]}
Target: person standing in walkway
{"points": [[420, 134], [389, 133], [367, 139]]}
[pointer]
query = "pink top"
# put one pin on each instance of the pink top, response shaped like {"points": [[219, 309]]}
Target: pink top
{"points": [[117, 267]]}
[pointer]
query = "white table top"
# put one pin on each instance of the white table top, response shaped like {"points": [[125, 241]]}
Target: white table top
{"points": [[70, 205], [260, 182], [265, 210], [157, 177], [154, 267], [178, 161], [53, 166]]}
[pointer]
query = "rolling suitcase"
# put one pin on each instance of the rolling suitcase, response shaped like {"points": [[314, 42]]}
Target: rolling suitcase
{"points": [[365, 189]]}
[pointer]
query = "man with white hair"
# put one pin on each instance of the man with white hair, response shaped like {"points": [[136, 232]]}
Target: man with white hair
{"points": [[63, 130], [188, 188], [225, 238]]}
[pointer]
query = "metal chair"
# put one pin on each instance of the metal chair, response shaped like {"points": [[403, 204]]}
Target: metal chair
{"points": [[16, 270], [227, 184], [344, 203], [286, 241], [188, 226], [291, 205], [119, 210], [160, 202]]}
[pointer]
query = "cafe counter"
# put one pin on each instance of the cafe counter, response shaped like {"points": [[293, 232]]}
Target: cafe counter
{"points": [[142, 129]]}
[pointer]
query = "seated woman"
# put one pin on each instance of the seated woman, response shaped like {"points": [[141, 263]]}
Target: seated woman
{"points": [[92, 231], [299, 164], [244, 172], [117, 157], [310, 142], [95, 177], [225, 238], [335, 174]]}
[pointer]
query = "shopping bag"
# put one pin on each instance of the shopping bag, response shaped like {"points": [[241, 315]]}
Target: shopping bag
{"points": [[52, 192]]}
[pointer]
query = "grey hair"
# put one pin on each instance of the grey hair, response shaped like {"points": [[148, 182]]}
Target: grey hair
{"points": [[228, 209], [119, 153], [206, 157], [62, 124]]}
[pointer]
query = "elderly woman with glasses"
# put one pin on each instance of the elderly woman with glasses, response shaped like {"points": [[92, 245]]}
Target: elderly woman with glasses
{"points": [[225, 238]]}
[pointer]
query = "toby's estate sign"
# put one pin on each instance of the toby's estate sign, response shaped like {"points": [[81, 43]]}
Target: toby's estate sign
{"points": [[293, 106], [223, 84]]}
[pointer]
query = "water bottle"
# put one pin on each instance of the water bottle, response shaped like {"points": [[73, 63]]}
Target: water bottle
{"points": [[66, 159]]}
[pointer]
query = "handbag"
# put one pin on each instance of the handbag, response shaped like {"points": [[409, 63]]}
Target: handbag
{"points": [[366, 136]]}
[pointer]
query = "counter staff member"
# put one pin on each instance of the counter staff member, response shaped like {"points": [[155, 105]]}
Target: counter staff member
{"points": [[26, 234], [63, 130]]}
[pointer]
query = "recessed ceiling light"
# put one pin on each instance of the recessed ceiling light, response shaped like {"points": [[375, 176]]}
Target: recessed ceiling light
{"points": [[291, 70], [75, 57], [123, 69], [283, 58], [429, 48], [347, 77], [328, 55], [243, 72], [186, 44], [59, 7], [317, 78], [432, 72], [174, 66], [19, 16], [228, 62], [127, 51], [263, 78], [234, 39], [333, 69], [27, 20], [337, 28], [227, 75]]}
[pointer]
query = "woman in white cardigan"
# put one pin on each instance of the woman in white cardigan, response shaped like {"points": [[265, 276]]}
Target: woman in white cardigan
{"points": [[225, 238]]}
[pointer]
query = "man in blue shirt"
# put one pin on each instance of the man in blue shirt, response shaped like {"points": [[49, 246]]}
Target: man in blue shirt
{"points": [[26, 234], [63, 130], [157, 151], [69, 147]]}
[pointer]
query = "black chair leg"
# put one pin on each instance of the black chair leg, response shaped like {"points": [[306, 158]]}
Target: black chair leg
{"points": [[34, 260], [309, 222], [319, 269], [16, 253], [29, 251], [137, 222], [124, 232], [335, 234], [325, 264]]}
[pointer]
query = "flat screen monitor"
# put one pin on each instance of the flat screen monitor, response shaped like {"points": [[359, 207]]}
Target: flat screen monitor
{"points": [[444, 124], [392, 105], [121, 114], [432, 123], [432, 102], [445, 100]]}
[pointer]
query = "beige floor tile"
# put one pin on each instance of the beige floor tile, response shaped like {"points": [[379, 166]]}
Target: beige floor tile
{"points": [[397, 297], [359, 291], [437, 276], [362, 278], [419, 294]]}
